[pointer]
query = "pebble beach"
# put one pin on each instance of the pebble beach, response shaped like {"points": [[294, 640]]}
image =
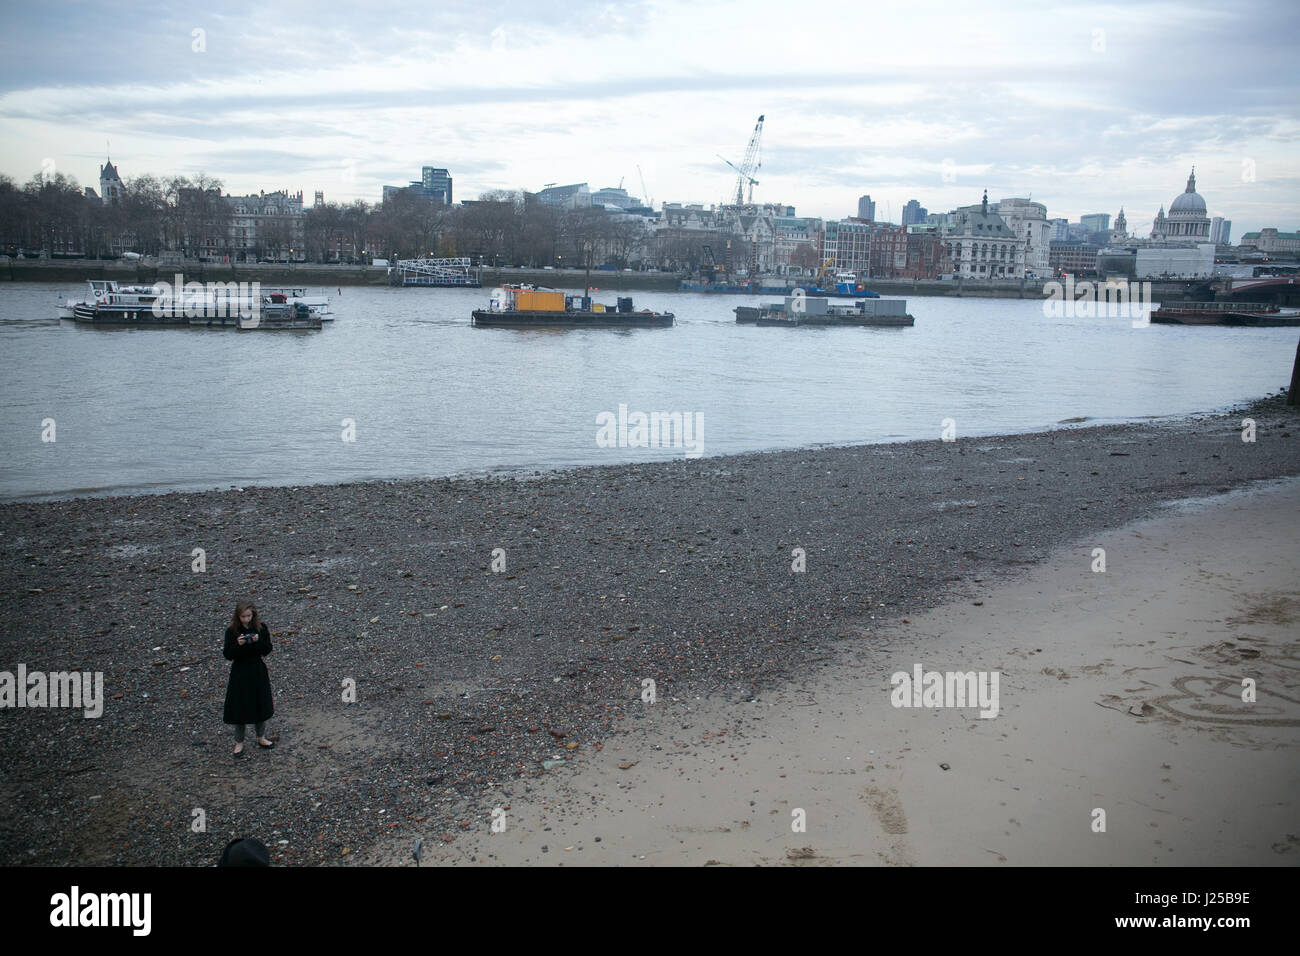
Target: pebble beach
{"points": [[440, 642]]}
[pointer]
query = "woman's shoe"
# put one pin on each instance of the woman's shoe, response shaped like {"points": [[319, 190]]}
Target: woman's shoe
{"points": [[239, 752], [267, 746]]}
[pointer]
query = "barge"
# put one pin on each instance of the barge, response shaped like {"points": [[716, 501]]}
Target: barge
{"points": [[820, 311], [528, 307], [1251, 314]]}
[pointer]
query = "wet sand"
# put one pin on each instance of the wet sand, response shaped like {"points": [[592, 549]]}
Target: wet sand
{"points": [[1120, 691]]}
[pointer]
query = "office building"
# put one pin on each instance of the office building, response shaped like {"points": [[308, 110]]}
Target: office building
{"points": [[914, 213]]}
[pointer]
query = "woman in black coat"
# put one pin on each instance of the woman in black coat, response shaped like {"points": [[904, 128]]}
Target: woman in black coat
{"points": [[248, 695]]}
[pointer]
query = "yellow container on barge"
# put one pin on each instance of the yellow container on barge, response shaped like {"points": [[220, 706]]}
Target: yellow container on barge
{"points": [[535, 300]]}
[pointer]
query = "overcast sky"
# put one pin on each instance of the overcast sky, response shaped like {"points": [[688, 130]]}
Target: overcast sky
{"points": [[1083, 106]]}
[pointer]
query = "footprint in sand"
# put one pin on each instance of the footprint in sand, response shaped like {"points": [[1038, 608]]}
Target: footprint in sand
{"points": [[887, 808]]}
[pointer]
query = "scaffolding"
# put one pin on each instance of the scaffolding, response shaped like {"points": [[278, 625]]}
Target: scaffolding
{"points": [[430, 271]]}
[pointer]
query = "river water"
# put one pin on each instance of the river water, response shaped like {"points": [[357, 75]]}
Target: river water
{"points": [[139, 410]]}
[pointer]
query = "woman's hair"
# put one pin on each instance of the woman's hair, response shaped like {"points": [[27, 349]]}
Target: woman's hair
{"points": [[237, 625]]}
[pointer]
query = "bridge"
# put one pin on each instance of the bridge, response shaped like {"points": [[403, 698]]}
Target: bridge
{"points": [[1280, 290]]}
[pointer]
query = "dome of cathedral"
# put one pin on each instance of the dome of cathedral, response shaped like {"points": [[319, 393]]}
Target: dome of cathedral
{"points": [[1189, 203]]}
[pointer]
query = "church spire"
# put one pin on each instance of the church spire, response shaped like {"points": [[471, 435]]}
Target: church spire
{"points": [[1191, 181]]}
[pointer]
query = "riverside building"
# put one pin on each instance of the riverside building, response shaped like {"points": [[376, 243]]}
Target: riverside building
{"points": [[1028, 220], [980, 245]]}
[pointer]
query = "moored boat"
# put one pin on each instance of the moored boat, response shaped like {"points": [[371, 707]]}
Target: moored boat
{"points": [[845, 286], [1224, 313], [1279, 318], [819, 311], [528, 307]]}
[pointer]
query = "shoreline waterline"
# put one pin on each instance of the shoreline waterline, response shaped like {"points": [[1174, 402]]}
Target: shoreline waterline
{"points": [[542, 472]]}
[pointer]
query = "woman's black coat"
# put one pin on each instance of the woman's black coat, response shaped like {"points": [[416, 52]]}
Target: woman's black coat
{"points": [[248, 695]]}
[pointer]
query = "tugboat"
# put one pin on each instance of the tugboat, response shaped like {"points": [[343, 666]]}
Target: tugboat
{"points": [[845, 286], [528, 307], [819, 311]]}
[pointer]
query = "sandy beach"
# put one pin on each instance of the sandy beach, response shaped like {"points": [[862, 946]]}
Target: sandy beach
{"points": [[522, 688], [1120, 690]]}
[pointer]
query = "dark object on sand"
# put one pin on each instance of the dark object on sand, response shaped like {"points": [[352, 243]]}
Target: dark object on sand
{"points": [[245, 852]]}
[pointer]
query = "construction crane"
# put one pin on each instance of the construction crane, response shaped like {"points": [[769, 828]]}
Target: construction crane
{"points": [[710, 267], [740, 182], [745, 171], [650, 203]]}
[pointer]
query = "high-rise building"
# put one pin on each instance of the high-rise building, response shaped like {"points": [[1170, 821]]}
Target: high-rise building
{"points": [[1060, 229], [1096, 222], [436, 183], [866, 209], [1220, 229], [914, 213]]}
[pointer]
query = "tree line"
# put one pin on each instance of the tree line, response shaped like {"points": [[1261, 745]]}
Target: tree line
{"points": [[51, 214]]}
